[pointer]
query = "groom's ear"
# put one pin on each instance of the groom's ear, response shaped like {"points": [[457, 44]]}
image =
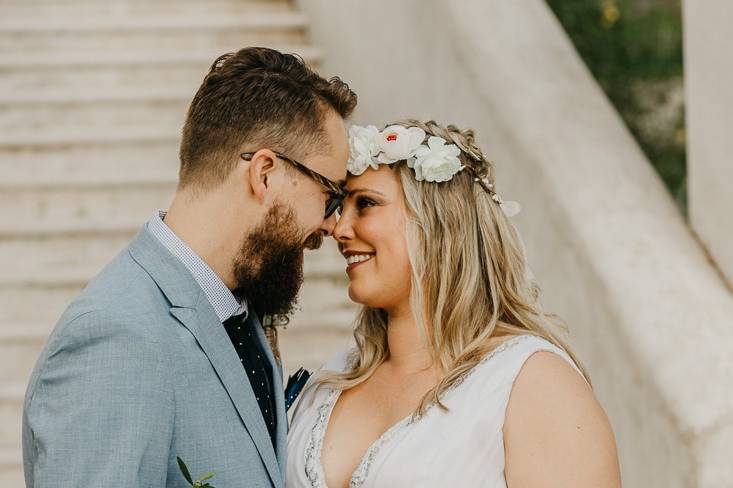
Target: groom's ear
{"points": [[260, 171]]}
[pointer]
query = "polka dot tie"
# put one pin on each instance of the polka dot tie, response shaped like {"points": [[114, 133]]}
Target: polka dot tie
{"points": [[255, 364]]}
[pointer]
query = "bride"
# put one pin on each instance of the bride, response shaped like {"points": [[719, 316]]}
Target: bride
{"points": [[458, 378]]}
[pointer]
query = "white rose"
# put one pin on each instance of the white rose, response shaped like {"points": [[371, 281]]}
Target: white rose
{"points": [[397, 143], [362, 149], [437, 161]]}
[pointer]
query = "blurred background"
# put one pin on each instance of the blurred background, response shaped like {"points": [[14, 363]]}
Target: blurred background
{"points": [[618, 151]]}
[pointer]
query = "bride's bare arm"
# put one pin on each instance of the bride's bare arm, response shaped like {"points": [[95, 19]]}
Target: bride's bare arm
{"points": [[555, 432]]}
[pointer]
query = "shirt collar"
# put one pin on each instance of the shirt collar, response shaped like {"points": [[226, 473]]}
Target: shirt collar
{"points": [[223, 301]]}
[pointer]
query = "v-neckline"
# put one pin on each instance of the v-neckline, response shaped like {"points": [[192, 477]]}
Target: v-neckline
{"points": [[358, 477]]}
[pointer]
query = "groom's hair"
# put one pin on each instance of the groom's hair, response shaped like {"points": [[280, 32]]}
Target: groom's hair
{"points": [[257, 98]]}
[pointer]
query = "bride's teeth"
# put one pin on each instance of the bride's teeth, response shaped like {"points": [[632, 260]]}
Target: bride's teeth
{"points": [[358, 258]]}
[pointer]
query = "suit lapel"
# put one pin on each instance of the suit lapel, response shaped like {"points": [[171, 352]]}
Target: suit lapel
{"points": [[190, 306], [277, 385]]}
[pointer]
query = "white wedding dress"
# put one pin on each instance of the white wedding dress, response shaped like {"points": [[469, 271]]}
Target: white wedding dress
{"points": [[463, 447]]}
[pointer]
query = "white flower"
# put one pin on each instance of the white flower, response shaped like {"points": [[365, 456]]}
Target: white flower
{"points": [[398, 143], [437, 161], [510, 208], [362, 149]]}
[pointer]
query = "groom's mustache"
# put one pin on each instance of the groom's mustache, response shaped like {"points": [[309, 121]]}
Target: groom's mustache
{"points": [[314, 241]]}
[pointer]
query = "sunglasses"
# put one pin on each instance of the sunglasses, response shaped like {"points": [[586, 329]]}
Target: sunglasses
{"points": [[335, 191]]}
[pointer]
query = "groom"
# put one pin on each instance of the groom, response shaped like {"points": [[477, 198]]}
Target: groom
{"points": [[163, 355]]}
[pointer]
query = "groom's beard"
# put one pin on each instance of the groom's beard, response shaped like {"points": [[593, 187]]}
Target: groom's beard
{"points": [[269, 269]]}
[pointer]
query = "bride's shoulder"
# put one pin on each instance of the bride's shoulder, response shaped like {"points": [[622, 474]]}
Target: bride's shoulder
{"points": [[509, 355], [552, 409]]}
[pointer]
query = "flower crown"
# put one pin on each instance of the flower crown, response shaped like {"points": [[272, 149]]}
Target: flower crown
{"points": [[435, 161]]}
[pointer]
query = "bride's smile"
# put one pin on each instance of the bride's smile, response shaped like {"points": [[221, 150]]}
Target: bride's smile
{"points": [[353, 258]]}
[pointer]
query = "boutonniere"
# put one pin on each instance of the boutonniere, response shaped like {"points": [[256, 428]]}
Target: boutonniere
{"points": [[295, 385], [200, 483]]}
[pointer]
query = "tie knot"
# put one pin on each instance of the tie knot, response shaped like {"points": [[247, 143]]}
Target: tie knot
{"points": [[234, 320]]}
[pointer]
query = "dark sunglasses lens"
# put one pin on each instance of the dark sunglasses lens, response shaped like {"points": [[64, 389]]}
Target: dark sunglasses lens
{"points": [[333, 204]]}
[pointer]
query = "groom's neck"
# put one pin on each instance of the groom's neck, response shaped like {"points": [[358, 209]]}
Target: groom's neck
{"points": [[212, 226]]}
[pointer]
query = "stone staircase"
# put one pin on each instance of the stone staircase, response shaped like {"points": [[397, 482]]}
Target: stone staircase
{"points": [[92, 99]]}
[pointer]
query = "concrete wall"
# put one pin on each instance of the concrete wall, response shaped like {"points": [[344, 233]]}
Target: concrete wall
{"points": [[648, 314], [709, 118]]}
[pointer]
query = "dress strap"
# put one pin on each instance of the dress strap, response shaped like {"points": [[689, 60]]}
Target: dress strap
{"points": [[534, 344]]}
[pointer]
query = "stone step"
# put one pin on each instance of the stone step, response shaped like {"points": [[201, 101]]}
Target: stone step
{"points": [[156, 72], [133, 23], [33, 212], [160, 57], [53, 95], [60, 259], [19, 121], [102, 81], [11, 465], [20, 346], [78, 8], [12, 476], [11, 417], [75, 75], [33, 303], [123, 5], [219, 31], [23, 10], [61, 138], [77, 258], [81, 166]]}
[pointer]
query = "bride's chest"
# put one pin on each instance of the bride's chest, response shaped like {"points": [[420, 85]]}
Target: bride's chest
{"points": [[454, 448], [461, 447], [357, 420]]}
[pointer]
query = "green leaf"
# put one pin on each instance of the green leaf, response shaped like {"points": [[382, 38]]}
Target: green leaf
{"points": [[207, 476], [184, 470]]}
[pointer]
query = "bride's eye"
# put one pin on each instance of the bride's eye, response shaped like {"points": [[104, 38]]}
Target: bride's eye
{"points": [[364, 202]]}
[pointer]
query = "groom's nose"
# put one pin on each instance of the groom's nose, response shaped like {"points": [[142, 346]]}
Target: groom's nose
{"points": [[329, 225]]}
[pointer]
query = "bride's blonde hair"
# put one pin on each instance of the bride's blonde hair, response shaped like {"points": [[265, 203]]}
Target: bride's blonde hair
{"points": [[469, 275]]}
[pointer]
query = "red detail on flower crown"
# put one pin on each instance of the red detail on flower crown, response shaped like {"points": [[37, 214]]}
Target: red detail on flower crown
{"points": [[392, 137]]}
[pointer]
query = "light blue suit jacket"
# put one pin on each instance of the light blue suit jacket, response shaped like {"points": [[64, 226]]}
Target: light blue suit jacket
{"points": [[139, 370]]}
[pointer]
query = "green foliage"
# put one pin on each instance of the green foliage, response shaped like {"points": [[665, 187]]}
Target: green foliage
{"points": [[199, 483], [634, 50]]}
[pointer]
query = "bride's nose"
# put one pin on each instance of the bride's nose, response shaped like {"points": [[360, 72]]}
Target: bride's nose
{"points": [[343, 231]]}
